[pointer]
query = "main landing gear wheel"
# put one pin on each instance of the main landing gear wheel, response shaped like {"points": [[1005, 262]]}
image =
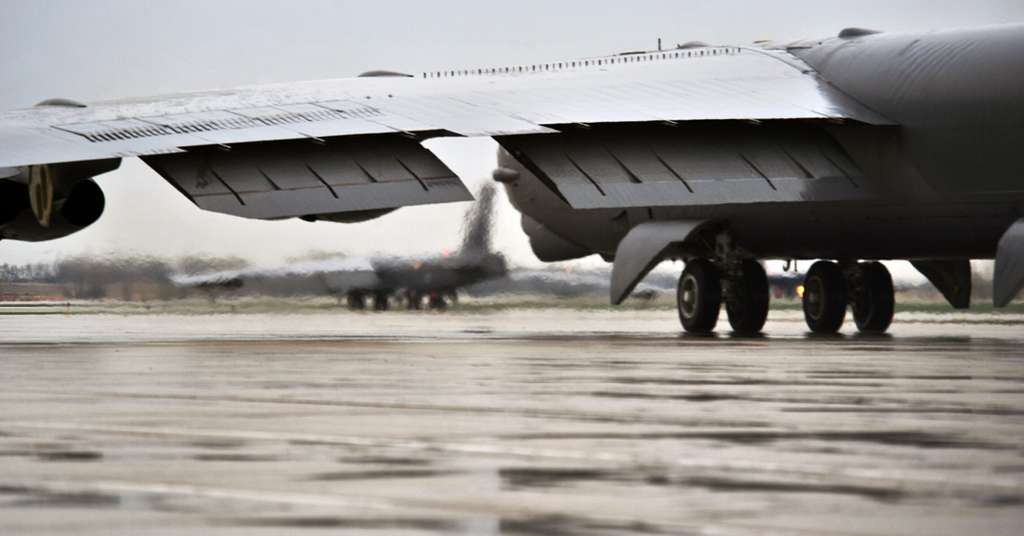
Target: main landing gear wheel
{"points": [[356, 301], [825, 297], [380, 301], [748, 299], [436, 302], [699, 296], [874, 302], [413, 300]]}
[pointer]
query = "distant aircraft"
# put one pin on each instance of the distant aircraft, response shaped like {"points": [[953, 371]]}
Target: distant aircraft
{"points": [[432, 281], [852, 149]]}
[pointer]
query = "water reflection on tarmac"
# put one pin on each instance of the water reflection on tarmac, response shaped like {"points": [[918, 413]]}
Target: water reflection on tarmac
{"points": [[516, 422]]}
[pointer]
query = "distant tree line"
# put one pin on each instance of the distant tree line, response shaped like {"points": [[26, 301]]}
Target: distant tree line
{"points": [[27, 273], [141, 278], [126, 278]]}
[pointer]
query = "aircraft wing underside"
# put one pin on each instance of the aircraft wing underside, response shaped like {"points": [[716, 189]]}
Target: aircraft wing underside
{"points": [[706, 165], [294, 178], [353, 144]]}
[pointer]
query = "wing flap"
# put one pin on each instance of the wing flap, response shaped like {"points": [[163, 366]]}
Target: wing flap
{"points": [[302, 178], [702, 165]]}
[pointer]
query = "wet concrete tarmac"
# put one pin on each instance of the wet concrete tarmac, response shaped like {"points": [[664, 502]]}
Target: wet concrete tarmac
{"points": [[517, 422]]}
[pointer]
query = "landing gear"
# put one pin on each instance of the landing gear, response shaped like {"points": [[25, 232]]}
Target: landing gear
{"points": [[413, 300], [699, 296], [747, 298], [356, 301], [866, 287], [873, 297], [380, 301], [825, 297], [437, 302]]}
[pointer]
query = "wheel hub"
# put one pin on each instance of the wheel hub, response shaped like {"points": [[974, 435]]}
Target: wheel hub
{"points": [[812, 290], [688, 303]]}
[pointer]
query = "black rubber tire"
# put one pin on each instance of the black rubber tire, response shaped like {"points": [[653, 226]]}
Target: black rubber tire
{"points": [[437, 302], [749, 299], [825, 297], [699, 296], [356, 301], [875, 303]]}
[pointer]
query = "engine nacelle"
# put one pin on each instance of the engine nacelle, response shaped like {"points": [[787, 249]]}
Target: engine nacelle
{"points": [[78, 208], [49, 201], [548, 246]]}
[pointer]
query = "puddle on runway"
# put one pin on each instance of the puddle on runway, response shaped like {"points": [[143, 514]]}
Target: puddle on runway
{"points": [[28, 497], [383, 460], [235, 457], [381, 474], [432, 525], [913, 439]]}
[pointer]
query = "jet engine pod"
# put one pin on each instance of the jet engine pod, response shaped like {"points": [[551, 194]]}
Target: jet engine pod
{"points": [[548, 246], [40, 193], [83, 205], [48, 201], [13, 200], [80, 208]]}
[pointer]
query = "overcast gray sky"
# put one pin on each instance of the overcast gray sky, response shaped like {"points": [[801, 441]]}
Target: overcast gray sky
{"points": [[101, 49]]}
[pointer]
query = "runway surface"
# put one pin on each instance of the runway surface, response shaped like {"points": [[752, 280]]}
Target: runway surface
{"points": [[518, 422]]}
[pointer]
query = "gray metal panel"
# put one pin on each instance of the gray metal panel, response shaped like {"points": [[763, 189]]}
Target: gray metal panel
{"points": [[424, 165], [302, 178], [718, 83], [380, 160], [190, 174], [295, 168], [642, 249], [379, 120], [698, 159], [221, 127], [687, 166], [454, 115], [337, 169], [312, 121], [952, 277], [241, 173], [642, 159], [353, 198]]}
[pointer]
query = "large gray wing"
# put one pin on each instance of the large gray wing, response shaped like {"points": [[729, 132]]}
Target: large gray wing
{"points": [[353, 144]]}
